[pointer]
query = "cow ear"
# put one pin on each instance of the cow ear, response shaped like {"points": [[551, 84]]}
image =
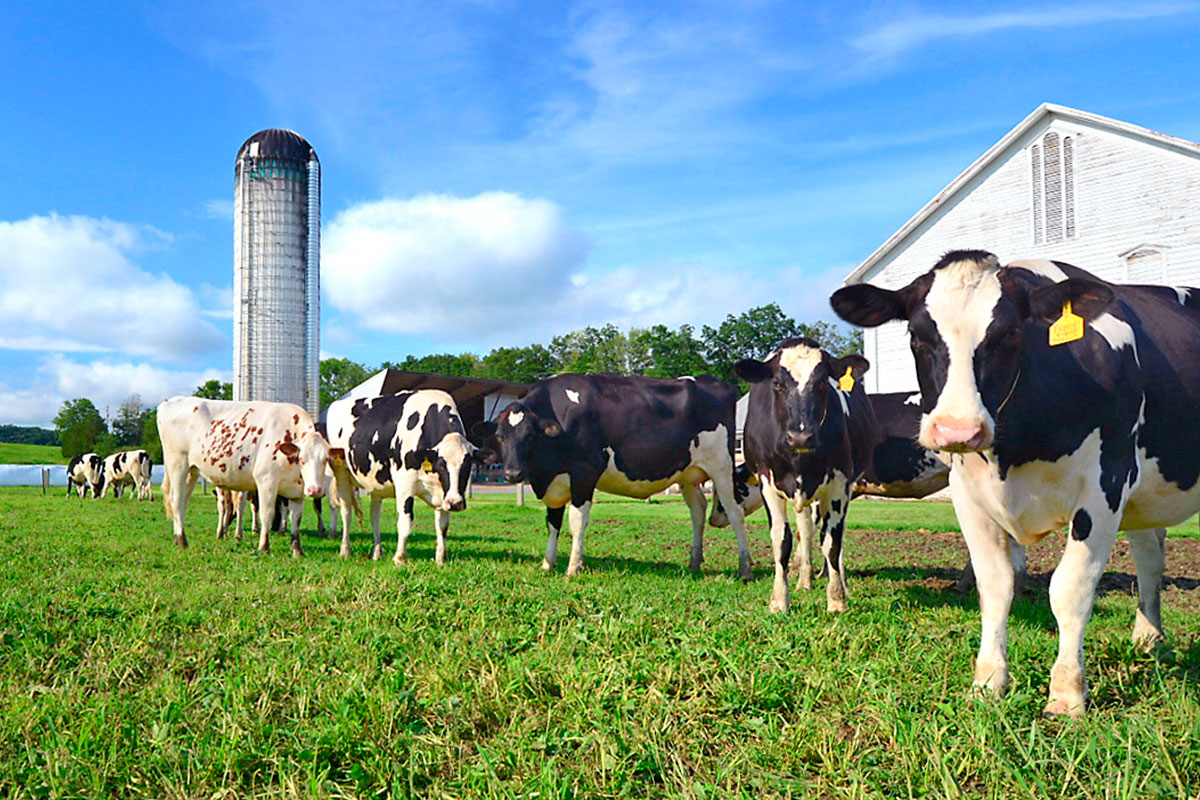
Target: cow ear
{"points": [[751, 370], [1088, 299], [337, 455], [868, 306], [857, 365], [483, 430], [550, 427], [288, 449]]}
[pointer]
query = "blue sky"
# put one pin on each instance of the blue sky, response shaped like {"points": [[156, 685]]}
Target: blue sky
{"points": [[499, 172]]}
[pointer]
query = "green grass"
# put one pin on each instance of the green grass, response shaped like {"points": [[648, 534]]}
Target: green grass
{"points": [[30, 454], [130, 668]]}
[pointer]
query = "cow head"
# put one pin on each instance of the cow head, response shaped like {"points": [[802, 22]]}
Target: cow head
{"points": [[313, 455], [445, 470], [970, 322], [804, 386], [512, 437]]}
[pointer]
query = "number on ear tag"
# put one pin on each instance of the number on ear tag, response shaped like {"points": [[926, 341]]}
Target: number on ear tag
{"points": [[426, 466], [1066, 328], [846, 382]]}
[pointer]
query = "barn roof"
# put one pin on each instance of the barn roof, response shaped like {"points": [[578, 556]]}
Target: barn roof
{"points": [[1043, 113]]}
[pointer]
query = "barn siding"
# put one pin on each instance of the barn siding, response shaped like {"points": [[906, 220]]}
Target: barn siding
{"points": [[1128, 192]]}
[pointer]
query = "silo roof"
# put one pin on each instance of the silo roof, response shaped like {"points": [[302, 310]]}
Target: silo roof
{"points": [[278, 143]]}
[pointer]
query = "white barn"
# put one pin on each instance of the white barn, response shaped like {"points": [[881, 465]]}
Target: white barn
{"points": [[1120, 201]]}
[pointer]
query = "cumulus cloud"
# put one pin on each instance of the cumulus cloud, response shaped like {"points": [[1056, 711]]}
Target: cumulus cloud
{"points": [[105, 383], [448, 265], [69, 284]]}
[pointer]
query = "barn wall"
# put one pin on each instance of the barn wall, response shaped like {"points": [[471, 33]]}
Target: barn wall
{"points": [[1129, 192]]}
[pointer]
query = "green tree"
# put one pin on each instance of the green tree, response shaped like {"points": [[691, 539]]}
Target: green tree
{"points": [[78, 425], [150, 441], [338, 376], [592, 349], [671, 354], [517, 364], [751, 334], [127, 425], [835, 339], [460, 366], [215, 390]]}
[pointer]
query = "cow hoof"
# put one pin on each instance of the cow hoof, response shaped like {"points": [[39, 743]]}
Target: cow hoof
{"points": [[778, 606], [297, 553], [181, 541], [1064, 708], [1146, 636], [573, 572], [804, 581], [400, 562], [377, 554], [836, 606], [694, 565], [440, 561], [547, 566]]}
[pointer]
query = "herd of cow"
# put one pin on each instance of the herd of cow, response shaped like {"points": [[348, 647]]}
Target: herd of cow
{"points": [[1049, 400]]}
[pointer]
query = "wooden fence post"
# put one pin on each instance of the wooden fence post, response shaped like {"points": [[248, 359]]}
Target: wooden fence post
{"points": [[521, 493], [45, 479]]}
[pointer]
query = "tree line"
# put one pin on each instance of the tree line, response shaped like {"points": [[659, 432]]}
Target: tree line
{"points": [[657, 351]]}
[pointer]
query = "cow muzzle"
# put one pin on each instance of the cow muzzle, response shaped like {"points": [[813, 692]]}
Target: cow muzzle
{"points": [[800, 441], [958, 436], [454, 504], [314, 491], [512, 474]]}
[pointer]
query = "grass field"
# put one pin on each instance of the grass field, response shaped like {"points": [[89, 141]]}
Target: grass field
{"points": [[30, 454], [129, 668]]}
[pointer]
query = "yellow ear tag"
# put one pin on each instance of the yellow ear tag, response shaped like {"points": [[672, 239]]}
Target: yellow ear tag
{"points": [[426, 466], [1066, 328], [753, 480], [846, 382]]}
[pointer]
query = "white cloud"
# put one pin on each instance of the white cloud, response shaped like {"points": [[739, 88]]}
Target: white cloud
{"points": [[68, 283], [219, 209], [455, 267], [917, 30], [105, 383]]}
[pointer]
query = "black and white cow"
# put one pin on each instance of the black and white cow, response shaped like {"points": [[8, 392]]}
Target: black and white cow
{"points": [[808, 441], [1064, 399], [574, 434], [85, 473], [406, 445], [130, 467]]}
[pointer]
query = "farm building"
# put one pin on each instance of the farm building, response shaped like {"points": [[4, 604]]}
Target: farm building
{"points": [[1113, 198], [478, 399]]}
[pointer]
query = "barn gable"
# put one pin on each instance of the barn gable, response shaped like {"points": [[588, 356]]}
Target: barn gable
{"points": [[1116, 199]]}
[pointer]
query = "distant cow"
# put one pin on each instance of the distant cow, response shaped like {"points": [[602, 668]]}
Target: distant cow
{"points": [[631, 436], [406, 445], [85, 473], [808, 441], [1063, 400], [271, 448], [126, 468]]}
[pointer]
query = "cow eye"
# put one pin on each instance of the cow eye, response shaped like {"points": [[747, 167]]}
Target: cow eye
{"points": [[778, 385]]}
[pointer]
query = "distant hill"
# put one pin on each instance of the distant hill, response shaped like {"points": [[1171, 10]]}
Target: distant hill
{"points": [[30, 454], [27, 434]]}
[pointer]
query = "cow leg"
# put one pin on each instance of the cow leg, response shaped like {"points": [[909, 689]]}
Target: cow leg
{"points": [[223, 512], [987, 543], [320, 517], [577, 520], [697, 505], [239, 513], [376, 510], [344, 509], [804, 537], [296, 510], [1150, 557], [182, 482], [404, 514], [781, 546], [266, 515], [1072, 597], [833, 526], [723, 488], [443, 525], [554, 518]]}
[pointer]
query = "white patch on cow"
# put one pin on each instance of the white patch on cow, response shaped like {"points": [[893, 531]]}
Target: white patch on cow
{"points": [[1155, 501], [842, 396], [572, 396], [961, 301], [800, 360], [1042, 266], [1183, 293], [514, 419], [913, 400], [1115, 331], [686, 378]]}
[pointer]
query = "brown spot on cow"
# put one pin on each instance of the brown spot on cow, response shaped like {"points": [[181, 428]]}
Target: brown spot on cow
{"points": [[295, 419]]}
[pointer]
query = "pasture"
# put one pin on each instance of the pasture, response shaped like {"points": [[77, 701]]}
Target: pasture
{"points": [[129, 668], [12, 453]]}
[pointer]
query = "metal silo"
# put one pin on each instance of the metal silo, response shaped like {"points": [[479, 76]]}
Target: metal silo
{"points": [[277, 261]]}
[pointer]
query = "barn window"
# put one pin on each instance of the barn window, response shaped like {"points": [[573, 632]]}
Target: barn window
{"points": [[1146, 264], [1052, 169]]}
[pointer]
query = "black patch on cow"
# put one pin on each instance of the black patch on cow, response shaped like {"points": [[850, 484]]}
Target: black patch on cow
{"points": [[554, 517], [785, 547], [836, 505], [408, 507], [413, 419], [1081, 525]]}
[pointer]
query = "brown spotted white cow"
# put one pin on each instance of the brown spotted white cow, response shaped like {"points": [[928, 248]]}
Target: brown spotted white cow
{"points": [[271, 448]]}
